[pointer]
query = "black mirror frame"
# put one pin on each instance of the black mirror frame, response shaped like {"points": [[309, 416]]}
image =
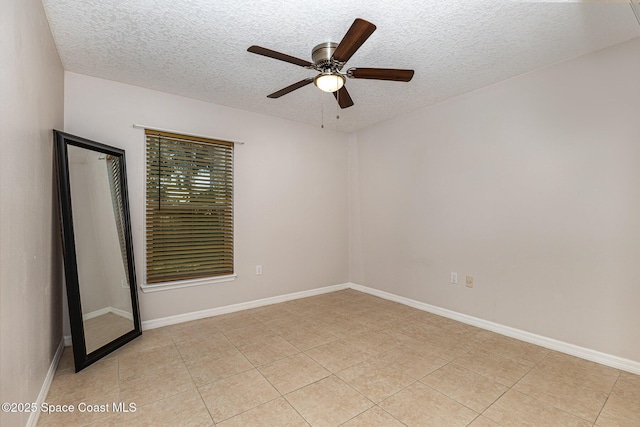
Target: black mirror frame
{"points": [[81, 358]]}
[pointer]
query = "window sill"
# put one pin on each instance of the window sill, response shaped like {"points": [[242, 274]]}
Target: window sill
{"points": [[187, 283]]}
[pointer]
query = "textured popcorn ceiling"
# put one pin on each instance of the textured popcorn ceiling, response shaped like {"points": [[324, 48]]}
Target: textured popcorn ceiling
{"points": [[198, 48]]}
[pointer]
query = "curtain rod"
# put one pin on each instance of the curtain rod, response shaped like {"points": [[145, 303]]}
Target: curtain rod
{"points": [[184, 133]]}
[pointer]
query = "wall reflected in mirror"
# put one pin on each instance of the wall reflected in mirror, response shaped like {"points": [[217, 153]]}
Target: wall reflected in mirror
{"points": [[100, 247], [101, 288]]}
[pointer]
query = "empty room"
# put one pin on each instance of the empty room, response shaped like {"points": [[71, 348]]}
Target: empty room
{"points": [[337, 213]]}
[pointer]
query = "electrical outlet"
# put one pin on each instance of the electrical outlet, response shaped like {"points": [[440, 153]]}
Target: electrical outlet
{"points": [[258, 269], [454, 278], [469, 281]]}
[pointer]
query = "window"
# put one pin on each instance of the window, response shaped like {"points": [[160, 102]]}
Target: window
{"points": [[114, 173], [189, 212]]}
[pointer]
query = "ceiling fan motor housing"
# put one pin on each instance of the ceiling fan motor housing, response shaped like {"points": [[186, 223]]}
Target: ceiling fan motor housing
{"points": [[321, 55]]}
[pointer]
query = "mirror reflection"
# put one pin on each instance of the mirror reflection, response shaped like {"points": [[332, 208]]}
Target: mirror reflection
{"points": [[98, 253], [100, 246]]}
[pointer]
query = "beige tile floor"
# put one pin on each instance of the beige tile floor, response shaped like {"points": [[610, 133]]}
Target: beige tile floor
{"points": [[344, 358]]}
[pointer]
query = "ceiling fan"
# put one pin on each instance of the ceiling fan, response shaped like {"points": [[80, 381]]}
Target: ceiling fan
{"points": [[329, 58]]}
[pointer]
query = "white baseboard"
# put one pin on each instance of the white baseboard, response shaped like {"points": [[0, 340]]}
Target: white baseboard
{"points": [[186, 317], [550, 343], [106, 310], [96, 313], [121, 313], [33, 418]]}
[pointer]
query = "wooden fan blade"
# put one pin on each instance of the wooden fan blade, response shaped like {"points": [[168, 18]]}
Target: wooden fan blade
{"points": [[358, 33], [291, 88], [343, 97], [380, 74], [280, 56]]}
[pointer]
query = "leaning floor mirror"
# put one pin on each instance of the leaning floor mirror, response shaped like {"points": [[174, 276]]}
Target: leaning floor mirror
{"points": [[98, 252]]}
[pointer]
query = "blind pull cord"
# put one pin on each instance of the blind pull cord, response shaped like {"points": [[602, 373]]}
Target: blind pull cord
{"points": [[159, 172]]}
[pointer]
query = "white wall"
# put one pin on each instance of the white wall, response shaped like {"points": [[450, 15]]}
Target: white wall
{"points": [[531, 185], [291, 192], [31, 105], [100, 267]]}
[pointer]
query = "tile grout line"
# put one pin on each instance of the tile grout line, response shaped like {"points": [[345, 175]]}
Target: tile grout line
{"points": [[607, 399], [194, 383], [553, 405], [257, 368], [296, 409], [512, 386]]}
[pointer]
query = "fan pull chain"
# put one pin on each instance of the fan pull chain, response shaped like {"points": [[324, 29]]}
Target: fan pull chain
{"points": [[322, 112], [337, 105]]}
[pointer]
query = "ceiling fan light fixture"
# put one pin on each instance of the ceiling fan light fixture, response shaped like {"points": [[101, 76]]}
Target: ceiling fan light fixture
{"points": [[329, 82]]}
